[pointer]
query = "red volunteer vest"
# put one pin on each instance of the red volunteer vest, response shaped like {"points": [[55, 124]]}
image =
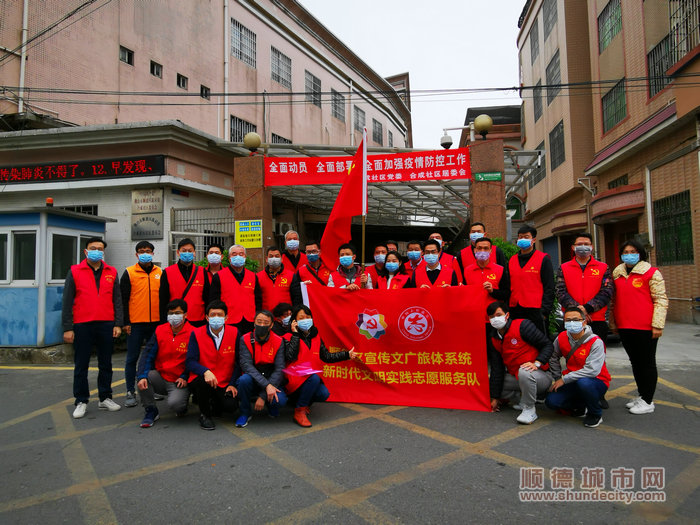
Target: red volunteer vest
{"points": [[526, 283], [584, 285], [339, 279], [577, 360], [474, 274], [144, 299], [444, 277], [372, 272], [410, 269], [514, 350], [307, 273], [220, 362], [263, 354], [307, 358], [287, 262], [177, 284], [274, 293], [633, 307], [89, 304], [172, 350], [239, 298], [398, 281], [467, 256]]}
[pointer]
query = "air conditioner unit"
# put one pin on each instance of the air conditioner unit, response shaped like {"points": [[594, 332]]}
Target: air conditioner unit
{"points": [[283, 227]]}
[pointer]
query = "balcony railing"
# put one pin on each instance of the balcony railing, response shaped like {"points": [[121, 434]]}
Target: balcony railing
{"points": [[685, 27]]}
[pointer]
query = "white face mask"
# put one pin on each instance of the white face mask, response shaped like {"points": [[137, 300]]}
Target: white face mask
{"points": [[498, 322]]}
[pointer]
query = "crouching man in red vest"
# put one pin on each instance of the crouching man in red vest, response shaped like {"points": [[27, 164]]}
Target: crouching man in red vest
{"points": [[211, 361], [585, 379], [519, 359]]}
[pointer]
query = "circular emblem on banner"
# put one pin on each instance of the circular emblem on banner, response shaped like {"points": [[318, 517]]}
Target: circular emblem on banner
{"points": [[416, 323]]}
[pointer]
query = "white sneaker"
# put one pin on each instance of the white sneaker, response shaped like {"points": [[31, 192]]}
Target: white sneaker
{"points": [[634, 401], [108, 404], [527, 416], [642, 408], [80, 410]]}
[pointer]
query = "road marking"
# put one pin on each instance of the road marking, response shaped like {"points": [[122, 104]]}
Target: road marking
{"points": [[679, 388], [650, 439], [682, 487]]}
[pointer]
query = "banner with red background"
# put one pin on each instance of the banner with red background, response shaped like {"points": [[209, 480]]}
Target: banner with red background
{"points": [[419, 347]]}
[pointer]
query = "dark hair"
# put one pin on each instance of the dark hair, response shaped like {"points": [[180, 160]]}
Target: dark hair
{"points": [[491, 308], [177, 303], [311, 242], [272, 249], [185, 242], [528, 229], [572, 309], [217, 305], [347, 246], [432, 242], [391, 241], [419, 243], [478, 224], [583, 234], [301, 308], [380, 245], [95, 239], [215, 245], [402, 269], [483, 239], [266, 313], [637, 246], [278, 310], [144, 244]]}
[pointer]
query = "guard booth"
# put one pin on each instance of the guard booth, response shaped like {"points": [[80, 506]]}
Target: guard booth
{"points": [[37, 248]]}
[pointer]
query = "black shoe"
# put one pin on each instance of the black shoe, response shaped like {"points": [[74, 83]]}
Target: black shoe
{"points": [[604, 403], [206, 423], [578, 412], [592, 421]]}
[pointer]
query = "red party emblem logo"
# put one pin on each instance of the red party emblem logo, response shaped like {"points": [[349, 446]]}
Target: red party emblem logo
{"points": [[416, 323]]}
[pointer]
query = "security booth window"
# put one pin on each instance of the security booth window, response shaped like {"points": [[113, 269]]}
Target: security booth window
{"points": [[63, 255], [24, 257], [3, 257]]}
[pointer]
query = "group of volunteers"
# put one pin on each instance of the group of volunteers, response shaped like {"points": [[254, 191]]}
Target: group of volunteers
{"points": [[239, 342]]}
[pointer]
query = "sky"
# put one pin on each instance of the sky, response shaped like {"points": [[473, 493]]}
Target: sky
{"points": [[447, 44]]}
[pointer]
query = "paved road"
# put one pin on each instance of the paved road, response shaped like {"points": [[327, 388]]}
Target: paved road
{"points": [[357, 464]]}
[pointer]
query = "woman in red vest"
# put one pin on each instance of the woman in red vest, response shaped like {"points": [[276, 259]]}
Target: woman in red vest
{"points": [[305, 355], [640, 305], [393, 276]]}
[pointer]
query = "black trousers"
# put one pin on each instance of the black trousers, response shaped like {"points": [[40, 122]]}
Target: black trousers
{"points": [[600, 328], [212, 400], [533, 314], [641, 349]]}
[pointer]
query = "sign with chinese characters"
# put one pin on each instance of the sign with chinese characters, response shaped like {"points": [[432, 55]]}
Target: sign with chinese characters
{"points": [[249, 233], [83, 170], [147, 201], [395, 167], [489, 175], [146, 226]]}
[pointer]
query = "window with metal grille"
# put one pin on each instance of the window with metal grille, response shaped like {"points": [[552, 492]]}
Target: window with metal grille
{"points": [[685, 27], [243, 43], [279, 139], [156, 69], [126, 55], [182, 81], [673, 232], [556, 146], [609, 24], [553, 78], [281, 68], [88, 209], [537, 100], [620, 181], [614, 106], [337, 105], [359, 118], [389, 138], [239, 128], [377, 132], [658, 62], [204, 92], [312, 86], [534, 41], [540, 172], [549, 16]]}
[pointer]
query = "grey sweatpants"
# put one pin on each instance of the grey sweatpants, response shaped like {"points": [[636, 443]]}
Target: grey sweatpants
{"points": [[528, 383], [177, 397]]}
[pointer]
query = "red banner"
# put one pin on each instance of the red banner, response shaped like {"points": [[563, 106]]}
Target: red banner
{"points": [[393, 167], [418, 347]]}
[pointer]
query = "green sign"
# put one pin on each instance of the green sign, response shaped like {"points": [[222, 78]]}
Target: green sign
{"points": [[489, 175]]}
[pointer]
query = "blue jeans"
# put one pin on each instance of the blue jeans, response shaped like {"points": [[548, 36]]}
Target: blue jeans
{"points": [[248, 390], [140, 333], [99, 334], [311, 391], [584, 392]]}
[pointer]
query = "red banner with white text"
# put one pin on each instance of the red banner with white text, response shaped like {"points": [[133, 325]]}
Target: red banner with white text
{"points": [[419, 347], [394, 167]]}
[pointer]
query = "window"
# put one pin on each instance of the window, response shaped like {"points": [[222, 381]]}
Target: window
{"points": [[126, 55], [609, 24], [63, 255], [359, 118], [281, 68], [534, 41], [24, 256], [553, 78], [549, 14], [620, 181], [537, 100], [377, 132], [673, 230], [539, 172], [312, 86], [243, 43], [279, 139], [156, 69], [3, 257], [338, 105], [658, 62], [182, 81], [204, 92], [88, 209], [390, 138], [239, 128], [556, 146], [614, 106]]}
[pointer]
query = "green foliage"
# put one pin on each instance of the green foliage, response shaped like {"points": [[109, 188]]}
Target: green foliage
{"points": [[508, 248], [250, 264]]}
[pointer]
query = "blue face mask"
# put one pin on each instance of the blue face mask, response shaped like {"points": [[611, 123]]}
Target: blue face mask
{"points": [[293, 244], [187, 257], [305, 324], [524, 244], [145, 258], [215, 323], [475, 236], [313, 257], [573, 327], [214, 258], [380, 258], [431, 258], [414, 255], [630, 258], [392, 266], [238, 261], [346, 260], [95, 255]]}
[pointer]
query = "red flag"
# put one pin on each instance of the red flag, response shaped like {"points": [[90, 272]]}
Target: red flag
{"points": [[351, 201]]}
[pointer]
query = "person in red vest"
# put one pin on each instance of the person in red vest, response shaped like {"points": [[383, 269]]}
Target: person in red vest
{"points": [[92, 315], [466, 257], [639, 308], [519, 359], [211, 363], [305, 354], [487, 274], [531, 281], [585, 379], [445, 258], [215, 254], [140, 288], [239, 288], [434, 273], [394, 275], [185, 280], [380, 251], [349, 275], [275, 280], [414, 253], [162, 365], [262, 360], [292, 258], [314, 272]]}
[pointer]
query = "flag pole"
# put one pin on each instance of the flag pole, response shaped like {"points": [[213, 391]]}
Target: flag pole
{"points": [[364, 191]]}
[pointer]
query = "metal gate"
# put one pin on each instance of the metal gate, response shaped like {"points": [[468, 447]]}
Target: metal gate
{"points": [[204, 226]]}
